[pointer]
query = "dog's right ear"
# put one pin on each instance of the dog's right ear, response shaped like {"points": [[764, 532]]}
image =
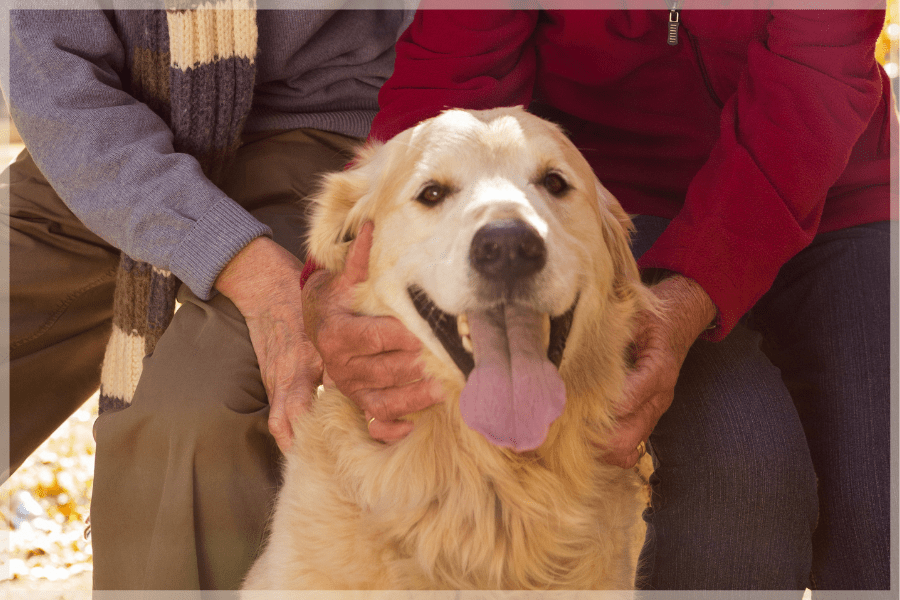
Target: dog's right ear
{"points": [[339, 209]]}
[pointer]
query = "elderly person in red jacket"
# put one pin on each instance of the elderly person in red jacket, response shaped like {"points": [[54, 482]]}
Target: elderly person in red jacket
{"points": [[754, 148]]}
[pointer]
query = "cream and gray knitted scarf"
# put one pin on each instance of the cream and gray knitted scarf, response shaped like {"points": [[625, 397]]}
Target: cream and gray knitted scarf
{"points": [[195, 67]]}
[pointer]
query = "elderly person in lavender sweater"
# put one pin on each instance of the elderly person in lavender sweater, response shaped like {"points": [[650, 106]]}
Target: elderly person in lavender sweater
{"points": [[166, 148]]}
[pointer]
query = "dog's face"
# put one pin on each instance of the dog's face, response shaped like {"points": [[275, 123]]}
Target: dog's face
{"points": [[492, 238]]}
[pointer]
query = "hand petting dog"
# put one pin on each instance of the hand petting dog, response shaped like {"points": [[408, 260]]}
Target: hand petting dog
{"points": [[661, 344], [374, 361]]}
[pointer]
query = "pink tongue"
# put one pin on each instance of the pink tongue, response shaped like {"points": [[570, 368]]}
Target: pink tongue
{"points": [[514, 393]]}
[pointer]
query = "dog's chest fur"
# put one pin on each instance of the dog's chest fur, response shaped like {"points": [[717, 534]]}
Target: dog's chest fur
{"points": [[445, 510]]}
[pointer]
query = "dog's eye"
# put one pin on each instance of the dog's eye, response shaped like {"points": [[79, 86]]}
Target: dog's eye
{"points": [[433, 193], [555, 184]]}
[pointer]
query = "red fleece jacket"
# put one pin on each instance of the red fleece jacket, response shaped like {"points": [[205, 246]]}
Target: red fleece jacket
{"points": [[756, 131]]}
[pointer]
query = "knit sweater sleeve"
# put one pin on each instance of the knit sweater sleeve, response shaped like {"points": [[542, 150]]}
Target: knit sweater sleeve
{"points": [[109, 157], [805, 96]]}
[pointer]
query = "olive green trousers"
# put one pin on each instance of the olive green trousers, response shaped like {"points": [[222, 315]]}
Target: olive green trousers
{"points": [[185, 476]]}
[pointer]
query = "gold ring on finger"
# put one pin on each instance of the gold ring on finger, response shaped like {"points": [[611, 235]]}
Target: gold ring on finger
{"points": [[642, 449]]}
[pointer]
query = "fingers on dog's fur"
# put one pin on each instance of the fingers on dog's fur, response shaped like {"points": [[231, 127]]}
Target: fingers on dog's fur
{"points": [[394, 403]]}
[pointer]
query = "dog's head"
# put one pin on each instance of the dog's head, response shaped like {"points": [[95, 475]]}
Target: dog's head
{"points": [[496, 245]]}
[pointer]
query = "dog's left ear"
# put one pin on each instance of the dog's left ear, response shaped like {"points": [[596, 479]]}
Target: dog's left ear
{"points": [[339, 209], [617, 231]]}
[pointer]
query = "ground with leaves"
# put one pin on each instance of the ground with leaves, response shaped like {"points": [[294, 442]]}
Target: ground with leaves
{"points": [[45, 508]]}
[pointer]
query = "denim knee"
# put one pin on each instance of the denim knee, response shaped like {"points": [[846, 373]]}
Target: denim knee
{"points": [[734, 500], [737, 521]]}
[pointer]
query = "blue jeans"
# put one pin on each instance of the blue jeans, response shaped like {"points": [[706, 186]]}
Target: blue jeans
{"points": [[774, 458]]}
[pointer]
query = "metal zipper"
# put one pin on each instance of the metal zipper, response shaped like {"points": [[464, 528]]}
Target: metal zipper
{"points": [[672, 38], [674, 20]]}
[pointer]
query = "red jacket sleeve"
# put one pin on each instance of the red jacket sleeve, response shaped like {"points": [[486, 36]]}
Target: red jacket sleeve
{"points": [[807, 93], [476, 59]]}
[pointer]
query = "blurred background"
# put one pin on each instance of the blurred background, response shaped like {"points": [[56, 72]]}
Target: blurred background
{"points": [[44, 506]]}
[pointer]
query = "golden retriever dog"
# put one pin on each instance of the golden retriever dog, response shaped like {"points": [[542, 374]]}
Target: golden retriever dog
{"points": [[496, 245]]}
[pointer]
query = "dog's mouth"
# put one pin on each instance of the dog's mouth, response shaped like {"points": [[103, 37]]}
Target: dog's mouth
{"points": [[513, 389]]}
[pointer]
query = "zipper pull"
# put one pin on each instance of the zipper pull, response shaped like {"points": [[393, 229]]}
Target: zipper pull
{"points": [[674, 18]]}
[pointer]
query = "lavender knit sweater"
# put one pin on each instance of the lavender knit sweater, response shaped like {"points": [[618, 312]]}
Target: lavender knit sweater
{"points": [[132, 116], [111, 159]]}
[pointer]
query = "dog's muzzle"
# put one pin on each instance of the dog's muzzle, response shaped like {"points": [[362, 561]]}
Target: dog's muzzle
{"points": [[513, 390], [512, 394]]}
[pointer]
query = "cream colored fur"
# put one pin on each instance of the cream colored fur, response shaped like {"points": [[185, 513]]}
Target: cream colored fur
{"points": [[444, 508]]}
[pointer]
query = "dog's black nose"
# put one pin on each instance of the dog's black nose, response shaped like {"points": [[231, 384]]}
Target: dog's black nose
{"points": [[507, 249]]}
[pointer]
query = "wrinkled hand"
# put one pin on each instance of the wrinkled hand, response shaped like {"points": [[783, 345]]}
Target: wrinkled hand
{"points": [[372, 360], [661, 344], [263, 281]]}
